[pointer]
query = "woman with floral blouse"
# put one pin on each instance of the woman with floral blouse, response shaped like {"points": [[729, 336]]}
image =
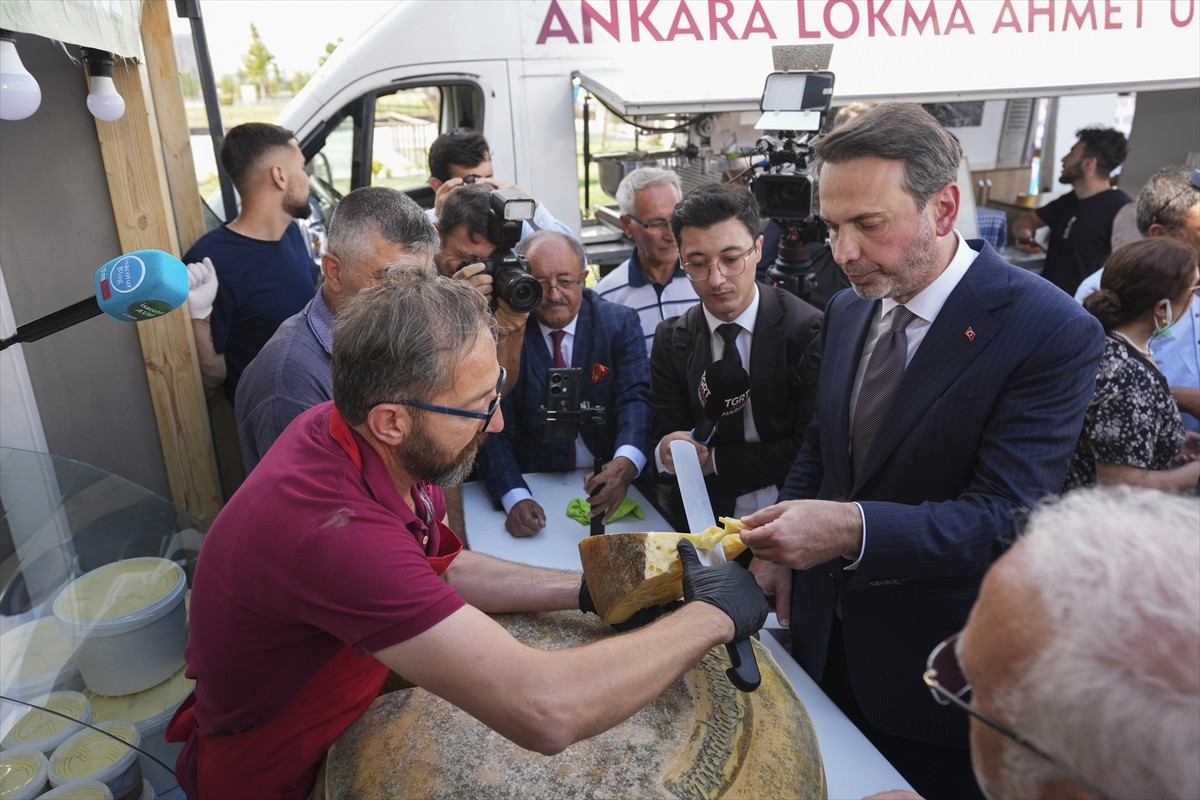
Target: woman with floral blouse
{"points": [[1132, 432]]}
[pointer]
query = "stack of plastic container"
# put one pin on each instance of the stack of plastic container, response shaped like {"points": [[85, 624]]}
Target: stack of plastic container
{"points": [[118, 633]]}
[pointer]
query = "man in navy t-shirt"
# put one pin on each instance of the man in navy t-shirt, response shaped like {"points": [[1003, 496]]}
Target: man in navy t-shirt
{"points": [[262, 267]]}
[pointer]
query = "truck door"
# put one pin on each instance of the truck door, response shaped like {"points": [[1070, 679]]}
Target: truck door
{"points": [[381, 137]]}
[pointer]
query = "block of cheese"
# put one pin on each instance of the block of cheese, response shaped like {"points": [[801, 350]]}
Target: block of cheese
{"points": [[627, 572], [700, 738]]}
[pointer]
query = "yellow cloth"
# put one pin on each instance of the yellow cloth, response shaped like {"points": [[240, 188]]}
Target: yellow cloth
{"points": [[578, 510]]}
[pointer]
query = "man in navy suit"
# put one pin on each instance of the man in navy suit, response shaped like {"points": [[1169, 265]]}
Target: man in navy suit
{"points": [[574, 328], [918, 462]]}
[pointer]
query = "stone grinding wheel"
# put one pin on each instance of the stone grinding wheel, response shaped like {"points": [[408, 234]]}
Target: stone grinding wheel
{"points": [[701, 738]]}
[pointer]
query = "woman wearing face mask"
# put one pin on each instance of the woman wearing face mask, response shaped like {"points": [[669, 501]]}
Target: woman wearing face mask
{"points": [[1132, 433]]}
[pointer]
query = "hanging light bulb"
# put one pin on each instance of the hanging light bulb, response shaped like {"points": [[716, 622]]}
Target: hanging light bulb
{"points": [[20, 94], [103, 100]]}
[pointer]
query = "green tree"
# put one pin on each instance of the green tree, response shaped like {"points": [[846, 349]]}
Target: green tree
{"points": [[329, 48], [188, 84], [298, 80], [227, 89], [258, 60]]}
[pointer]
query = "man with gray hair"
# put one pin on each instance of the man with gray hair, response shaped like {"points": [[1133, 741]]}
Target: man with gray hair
{"points": [[1082, 655], [650, 281], [333, 564], [574, 328], [373, 229], [1169, 205], [951, 396]]}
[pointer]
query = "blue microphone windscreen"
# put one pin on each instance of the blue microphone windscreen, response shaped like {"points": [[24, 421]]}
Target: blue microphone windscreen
{"points": [[141, 285]]}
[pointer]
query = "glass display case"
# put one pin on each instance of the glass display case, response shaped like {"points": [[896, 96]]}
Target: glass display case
{"points": [[94, 578]]}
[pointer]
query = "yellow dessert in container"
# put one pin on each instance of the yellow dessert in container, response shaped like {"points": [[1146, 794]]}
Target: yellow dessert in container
{"points": [[81, 790], [131, 621], [44, 731], [150, 711], [101, 755], [35, 658], [22, 774]]}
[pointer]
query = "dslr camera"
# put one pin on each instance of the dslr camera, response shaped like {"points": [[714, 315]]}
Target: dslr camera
{"points": [[511, 280]]}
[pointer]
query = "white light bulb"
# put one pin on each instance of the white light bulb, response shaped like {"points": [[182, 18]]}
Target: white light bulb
{"points": [[20, 94], [103, 100]]}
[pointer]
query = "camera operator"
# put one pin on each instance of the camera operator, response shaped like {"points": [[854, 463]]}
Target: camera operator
{"points": [[469, 246], [462, 157]]}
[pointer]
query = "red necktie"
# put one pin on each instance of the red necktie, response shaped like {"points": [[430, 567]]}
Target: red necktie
{"points": [[561, 363]]}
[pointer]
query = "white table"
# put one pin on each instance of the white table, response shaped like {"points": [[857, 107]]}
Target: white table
{"points": [[853, 767], [556, 545]]}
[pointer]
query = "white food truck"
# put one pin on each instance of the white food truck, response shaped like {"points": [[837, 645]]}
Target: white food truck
{"points": [[518, 69]]}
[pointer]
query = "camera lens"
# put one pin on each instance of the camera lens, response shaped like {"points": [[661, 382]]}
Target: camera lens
{"points": [[519, 289]]}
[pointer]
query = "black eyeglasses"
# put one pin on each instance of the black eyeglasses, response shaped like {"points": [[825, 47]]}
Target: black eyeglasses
{"points": [[727, 265], [486, 416], [946, 682], [652, 225], [1193, 179], [562, 284]]}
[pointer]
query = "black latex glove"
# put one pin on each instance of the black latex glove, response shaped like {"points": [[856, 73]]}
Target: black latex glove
{"points": [[586, 604], [728, 586], [640, 618]]}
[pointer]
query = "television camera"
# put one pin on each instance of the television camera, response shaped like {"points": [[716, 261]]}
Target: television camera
{"points": [[794, 106]]}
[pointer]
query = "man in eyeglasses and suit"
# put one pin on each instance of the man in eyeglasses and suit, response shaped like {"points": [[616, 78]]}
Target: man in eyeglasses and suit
{"points": [[650, 281], [575, 328], [1078, 664], [775, 337]]}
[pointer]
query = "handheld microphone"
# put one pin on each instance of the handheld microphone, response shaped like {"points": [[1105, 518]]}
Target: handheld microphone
{"points": [[724, 390], [136, 286]]}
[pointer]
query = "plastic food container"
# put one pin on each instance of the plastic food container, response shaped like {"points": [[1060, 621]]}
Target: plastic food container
{"points": [[93, 755], [36, 658], [81, 790], [150, 711], [130, 617], [43, 731], [22, 774]]}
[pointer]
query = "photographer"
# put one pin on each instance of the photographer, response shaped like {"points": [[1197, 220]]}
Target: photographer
{"points": [[467, 246], [575, 328], [462, 157]]}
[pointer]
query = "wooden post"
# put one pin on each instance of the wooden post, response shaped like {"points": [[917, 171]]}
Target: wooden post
{"points": [[137, 185], [163, 73]]}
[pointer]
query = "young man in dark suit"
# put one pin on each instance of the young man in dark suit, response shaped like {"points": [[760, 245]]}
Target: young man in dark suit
{"points": [[575, 328], [774, 333], [952, 393]]}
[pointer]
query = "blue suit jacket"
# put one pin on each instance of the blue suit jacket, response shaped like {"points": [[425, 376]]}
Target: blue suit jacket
{"points": [[605, 333], [981, 428]]}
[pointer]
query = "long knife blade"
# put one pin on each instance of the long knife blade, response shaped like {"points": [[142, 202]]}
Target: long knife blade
{"points": [[691, 486], [743, 673]]}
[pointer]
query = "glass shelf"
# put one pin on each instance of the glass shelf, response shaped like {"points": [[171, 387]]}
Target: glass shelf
{"points": [[60, 518]]}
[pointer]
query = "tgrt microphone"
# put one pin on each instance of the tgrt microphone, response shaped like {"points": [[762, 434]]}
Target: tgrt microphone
{"points": [[724, 390], [137, 286]]}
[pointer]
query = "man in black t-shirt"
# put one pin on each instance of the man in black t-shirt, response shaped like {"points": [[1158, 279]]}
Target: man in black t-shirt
{"points": [[1081, 220]]}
